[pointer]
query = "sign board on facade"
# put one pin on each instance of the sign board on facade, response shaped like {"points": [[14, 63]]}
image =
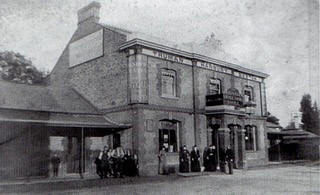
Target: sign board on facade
{"points": [[86, 48], [201, 64], [138, 79], [167, 56], [221, 69]]}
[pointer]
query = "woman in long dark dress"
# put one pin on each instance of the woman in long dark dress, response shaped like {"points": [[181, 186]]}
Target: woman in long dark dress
{"points": [[184, 160], [205, 158], [195, 159], [212, 165]]}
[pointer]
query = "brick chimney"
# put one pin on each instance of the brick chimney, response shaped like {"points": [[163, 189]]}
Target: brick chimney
{"points": [[89, 13]]}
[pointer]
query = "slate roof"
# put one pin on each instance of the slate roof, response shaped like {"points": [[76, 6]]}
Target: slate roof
{"points": [[42, 98], [272, 125], [295, 134]]}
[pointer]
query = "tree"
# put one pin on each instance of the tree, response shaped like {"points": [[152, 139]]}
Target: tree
{"points": [[16, 68], [272, 119], [310, 114], [315, 119]]}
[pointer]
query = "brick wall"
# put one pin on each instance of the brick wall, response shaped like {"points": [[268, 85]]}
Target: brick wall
{"points": [[102, 81], [184, 84]]}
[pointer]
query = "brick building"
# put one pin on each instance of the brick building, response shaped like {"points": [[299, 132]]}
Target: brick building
{"points": [[108, 88]]}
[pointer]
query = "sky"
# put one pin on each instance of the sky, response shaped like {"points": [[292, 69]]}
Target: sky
{"points": [[278, 37]]}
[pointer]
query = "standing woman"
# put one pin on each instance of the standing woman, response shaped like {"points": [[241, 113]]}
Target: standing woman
{"points": [[205, 158], [195, 159], [212, 165], [185, 160], [162, 161]]}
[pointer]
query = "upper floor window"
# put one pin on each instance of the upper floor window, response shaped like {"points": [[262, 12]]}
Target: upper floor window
{"points": [[251, 138], [215, 86], [168, 82], [248, 94]]}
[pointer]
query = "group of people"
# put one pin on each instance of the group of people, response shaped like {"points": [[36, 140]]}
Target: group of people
{"points": [[116, 163], [191, 160]]}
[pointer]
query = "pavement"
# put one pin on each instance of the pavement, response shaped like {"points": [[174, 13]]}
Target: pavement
{"points": [[289, 179]]}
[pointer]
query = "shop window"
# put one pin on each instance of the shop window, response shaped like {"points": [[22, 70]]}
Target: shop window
{"points": [[215, 86], [168, 82], [248, 94], [168, 136], [251, 137]]}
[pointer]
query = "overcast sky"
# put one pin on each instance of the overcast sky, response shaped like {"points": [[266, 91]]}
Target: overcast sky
{"points": [[278, 37]]}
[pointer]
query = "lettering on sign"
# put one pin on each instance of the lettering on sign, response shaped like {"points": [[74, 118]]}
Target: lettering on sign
{"points": [[138, 80], [214, 67], [167, 56], [86, 48]]}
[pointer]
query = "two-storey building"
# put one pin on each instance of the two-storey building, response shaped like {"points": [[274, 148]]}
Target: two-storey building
{"points": [[108, 88]]}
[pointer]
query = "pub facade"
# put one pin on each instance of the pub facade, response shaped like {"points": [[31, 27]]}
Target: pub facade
{"points": [[141, 95]]}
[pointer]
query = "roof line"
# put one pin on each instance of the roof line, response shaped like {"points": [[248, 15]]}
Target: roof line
{"points": [[67, 124], [86, 100], [157, 46], [113, 28], [48, 111]]}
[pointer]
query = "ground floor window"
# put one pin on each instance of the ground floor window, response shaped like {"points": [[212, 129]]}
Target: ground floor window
{"points": [[251, 136], [168, 136]]}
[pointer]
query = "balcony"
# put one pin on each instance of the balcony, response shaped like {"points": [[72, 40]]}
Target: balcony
{"points": [[230, 103], [224, 99]]}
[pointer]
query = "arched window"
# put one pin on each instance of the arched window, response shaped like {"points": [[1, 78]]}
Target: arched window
{"points": [[214, 86], [251, 137], [168, 82], [248, 94]]}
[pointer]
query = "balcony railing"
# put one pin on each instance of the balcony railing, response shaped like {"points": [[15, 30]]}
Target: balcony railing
{"points": [[224, 99]]}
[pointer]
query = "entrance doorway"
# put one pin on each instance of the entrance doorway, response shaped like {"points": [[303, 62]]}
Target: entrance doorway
{"points": [[236, 144], [215, 135], [116, 140]]}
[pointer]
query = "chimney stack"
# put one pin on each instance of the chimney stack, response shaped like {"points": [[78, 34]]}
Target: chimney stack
{"points": [[89, 13]]}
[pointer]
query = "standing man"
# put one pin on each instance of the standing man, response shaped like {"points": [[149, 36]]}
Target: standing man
{"points": [[162, 161], [229, 158], [195, 159], [105, 162], [222, 153], [98, 162], [55, 161]]}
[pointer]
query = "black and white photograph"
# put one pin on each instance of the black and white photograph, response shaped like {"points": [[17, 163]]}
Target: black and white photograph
{"points": [[159, 97]]}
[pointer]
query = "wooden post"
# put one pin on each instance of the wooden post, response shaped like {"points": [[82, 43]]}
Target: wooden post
{"points": [[81, 164]]}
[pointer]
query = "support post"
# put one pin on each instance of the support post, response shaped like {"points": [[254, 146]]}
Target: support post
{"points": [[81, 154], [242, 150], [224, 141]]}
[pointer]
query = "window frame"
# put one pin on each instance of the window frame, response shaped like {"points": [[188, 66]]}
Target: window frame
{"points": [[249, 89], [172, 140], [214, 81], [251, 132], [169, 73]]}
